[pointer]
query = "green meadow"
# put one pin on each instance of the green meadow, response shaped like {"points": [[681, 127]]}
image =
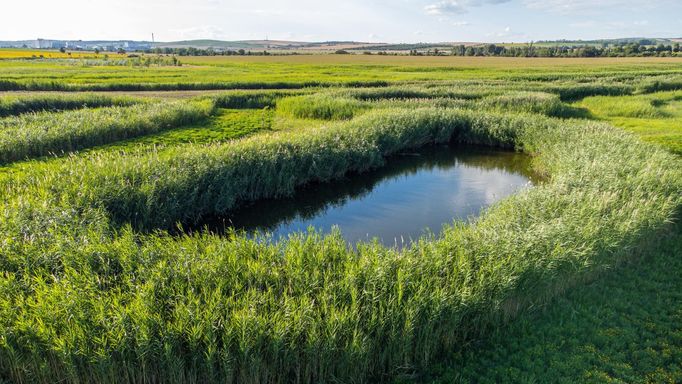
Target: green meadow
{"points": [[657, 117], [280, 72], [573, 279]]}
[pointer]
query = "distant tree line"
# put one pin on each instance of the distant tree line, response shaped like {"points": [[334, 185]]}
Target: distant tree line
{"points": [[530, 50], [564, 42], [621, 49]]}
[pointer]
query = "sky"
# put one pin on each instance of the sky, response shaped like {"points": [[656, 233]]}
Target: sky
{"points": [[389, 21]]}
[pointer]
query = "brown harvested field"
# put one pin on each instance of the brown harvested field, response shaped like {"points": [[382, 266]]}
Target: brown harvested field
{"points": [[443, 61]]}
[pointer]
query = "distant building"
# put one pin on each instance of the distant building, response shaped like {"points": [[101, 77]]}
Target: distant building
{"points": [[136, 46], [49, 44], [43, 44], [112, 46]]}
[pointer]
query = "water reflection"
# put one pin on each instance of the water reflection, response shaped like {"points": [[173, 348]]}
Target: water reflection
{"points": [[416, 191]]}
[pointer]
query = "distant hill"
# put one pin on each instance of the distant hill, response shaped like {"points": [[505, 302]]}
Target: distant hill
{"points": [[261, 45], [78, 44], [249, 45], [415, 46], [217, 44], [629, 40], [264, 44]]}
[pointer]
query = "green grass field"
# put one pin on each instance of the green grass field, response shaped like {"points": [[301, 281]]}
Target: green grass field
{"points": [[313, 70], [657, 118], [573, 280]]}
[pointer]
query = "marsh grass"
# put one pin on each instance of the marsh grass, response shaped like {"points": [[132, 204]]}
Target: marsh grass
{"points": [[321, 107], [253, 99], [93, 287], [91, 299], [532, 102], [16, 105], [41, 134]]}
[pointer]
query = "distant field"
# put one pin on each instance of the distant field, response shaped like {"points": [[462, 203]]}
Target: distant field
{"points": [[214, 73], [8, 53], [439, 61]]}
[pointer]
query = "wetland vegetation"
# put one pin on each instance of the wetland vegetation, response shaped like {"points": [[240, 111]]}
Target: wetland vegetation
{"points": [[97, 284]]}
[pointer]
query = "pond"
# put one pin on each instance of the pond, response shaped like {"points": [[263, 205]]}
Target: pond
{"points": [[414, 194]]}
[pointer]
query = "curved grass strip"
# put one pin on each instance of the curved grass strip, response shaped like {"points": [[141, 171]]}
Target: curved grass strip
{"points": [[531, 102], [547, 104], [668, 83], [458, 90], [568, 90], [43, 85], [321, 106], [253, 99], [87, 302], [16, 105], [31, 136]]}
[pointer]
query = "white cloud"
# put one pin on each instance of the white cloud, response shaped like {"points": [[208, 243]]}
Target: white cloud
{"points": [[445, 7], [393, 20], [592, 6], [583, 24], [200, 32], [618, 26], [450, 7], [507, 33]]}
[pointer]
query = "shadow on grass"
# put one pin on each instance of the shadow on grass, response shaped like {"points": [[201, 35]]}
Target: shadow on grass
{"points": [[572, 112]]}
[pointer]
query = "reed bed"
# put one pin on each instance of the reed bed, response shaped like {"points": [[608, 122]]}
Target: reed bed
{"points": [[42, 134], [36, 85], [103, 294], [96, 284], [16, 105], [321, 106], [254, 99]]}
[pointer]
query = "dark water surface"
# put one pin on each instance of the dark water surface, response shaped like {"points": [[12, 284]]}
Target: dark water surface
{"points": [[415, 192]]}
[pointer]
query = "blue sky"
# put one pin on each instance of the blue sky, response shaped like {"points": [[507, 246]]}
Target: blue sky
{"points": [[360, 20]]}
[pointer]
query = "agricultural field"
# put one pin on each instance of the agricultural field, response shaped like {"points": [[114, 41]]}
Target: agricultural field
{"points": [[23, 53], [304, 71], [110, 175]]}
